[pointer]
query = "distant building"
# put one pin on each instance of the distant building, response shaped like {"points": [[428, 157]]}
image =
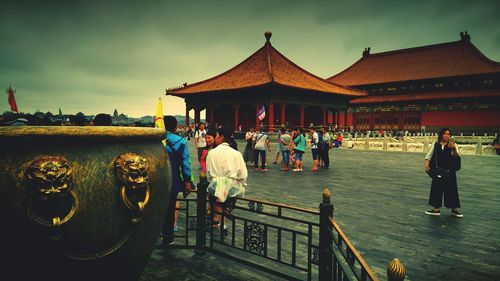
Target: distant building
{"points": [[289, 93], [424, 88], [444, 85]]}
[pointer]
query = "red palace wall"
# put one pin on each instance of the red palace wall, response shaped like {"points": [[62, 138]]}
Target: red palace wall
{"points": [[456, 118], [345, 119], [341, 117], [350, 119], [331, 117]]}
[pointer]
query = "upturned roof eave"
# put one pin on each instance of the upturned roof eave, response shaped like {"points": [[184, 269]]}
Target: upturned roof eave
{"points": [[184, 95], [364, 59]]}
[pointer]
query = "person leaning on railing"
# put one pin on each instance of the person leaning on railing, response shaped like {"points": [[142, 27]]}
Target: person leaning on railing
{"points": [[178, 152], [226, 172]]}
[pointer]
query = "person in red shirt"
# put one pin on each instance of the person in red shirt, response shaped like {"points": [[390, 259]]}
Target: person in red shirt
{"points": [[210, 139], [339, 139]]}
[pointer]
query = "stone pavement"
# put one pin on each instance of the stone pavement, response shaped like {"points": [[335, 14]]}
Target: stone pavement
{"points": [[183, 264], [380, 199]]}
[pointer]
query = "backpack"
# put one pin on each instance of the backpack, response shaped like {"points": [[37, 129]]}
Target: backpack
{"points": [[320, 138]]}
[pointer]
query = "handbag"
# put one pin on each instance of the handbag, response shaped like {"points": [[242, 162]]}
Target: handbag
{"points": [[438, 172]]}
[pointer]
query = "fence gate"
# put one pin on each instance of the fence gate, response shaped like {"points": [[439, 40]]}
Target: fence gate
{"points": [[290, 242]]}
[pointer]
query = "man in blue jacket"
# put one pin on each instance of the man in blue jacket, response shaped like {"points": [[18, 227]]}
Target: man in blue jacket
{"points": [[178, 152]]}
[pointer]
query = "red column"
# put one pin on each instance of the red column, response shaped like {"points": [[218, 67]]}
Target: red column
{"points": [[341, 119], [400, 121], [301, 119], [345, 119], [187, 115], [197, 115], [349, 118], [372, 121], [212, 120], [324, 117], [282, 114], [257, 121], [336, 117], [271, 116], [236, 117]]}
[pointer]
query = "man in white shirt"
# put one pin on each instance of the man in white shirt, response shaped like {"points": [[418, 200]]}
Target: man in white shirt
{"points": [[199, 140]]}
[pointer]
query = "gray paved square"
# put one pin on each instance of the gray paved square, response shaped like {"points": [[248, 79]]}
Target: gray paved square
{"points": [[380, 199]]}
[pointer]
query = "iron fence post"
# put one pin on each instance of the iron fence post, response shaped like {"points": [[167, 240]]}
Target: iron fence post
{"points": [[325, 237], [201, 199]]}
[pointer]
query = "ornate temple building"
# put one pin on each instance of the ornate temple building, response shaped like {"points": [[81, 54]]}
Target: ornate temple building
{"points": [[290, 94], [424, 88]]}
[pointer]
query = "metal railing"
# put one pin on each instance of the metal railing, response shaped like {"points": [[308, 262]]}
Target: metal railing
{"points": [[342, 262], [298, 243]]}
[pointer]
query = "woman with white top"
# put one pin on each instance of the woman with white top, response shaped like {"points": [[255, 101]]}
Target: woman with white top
{"points": [[226, 171], [441, 163]]}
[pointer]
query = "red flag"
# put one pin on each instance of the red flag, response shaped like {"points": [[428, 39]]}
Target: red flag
{"points": [[12, 100], [262, 113]]}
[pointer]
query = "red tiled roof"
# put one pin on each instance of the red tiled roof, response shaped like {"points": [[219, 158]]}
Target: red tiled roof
{"points": [[265, 66], [425, 96], [442, 60]]}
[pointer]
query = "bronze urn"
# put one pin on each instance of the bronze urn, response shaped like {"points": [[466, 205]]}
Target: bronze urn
{"points": [[81, 203]]}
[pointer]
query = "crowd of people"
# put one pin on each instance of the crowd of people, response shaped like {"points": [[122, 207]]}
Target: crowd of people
{"points": [[221, 165], [290, 147], [225, 168]]}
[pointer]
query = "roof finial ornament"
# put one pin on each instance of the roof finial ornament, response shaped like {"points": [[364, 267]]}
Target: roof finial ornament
{"points": [[366, 52], [268, 35], [464, 36]]}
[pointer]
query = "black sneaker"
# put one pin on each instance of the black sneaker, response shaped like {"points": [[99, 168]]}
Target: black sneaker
{"points": [[168, 242], [433, 212], [456, 213]]}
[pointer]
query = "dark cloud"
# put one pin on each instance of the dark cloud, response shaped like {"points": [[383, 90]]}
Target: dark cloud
{"points": [[93, 56]]}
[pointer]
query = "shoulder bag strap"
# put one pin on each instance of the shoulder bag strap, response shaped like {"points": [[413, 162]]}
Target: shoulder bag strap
{"points": [[436, 146], [261, 135]]}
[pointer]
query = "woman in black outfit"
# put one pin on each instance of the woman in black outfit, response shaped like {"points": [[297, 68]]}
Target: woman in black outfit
{"points": [[443, 154], [248, 153]]}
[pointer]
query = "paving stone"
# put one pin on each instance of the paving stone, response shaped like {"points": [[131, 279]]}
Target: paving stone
{"points": [[380, 199]]}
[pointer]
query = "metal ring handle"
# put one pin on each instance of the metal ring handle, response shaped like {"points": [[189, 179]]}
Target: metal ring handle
{"points": [[140, 205], [55, 221]]}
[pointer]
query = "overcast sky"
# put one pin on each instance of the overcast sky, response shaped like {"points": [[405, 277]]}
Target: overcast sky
{"points": [[95, 56]]}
